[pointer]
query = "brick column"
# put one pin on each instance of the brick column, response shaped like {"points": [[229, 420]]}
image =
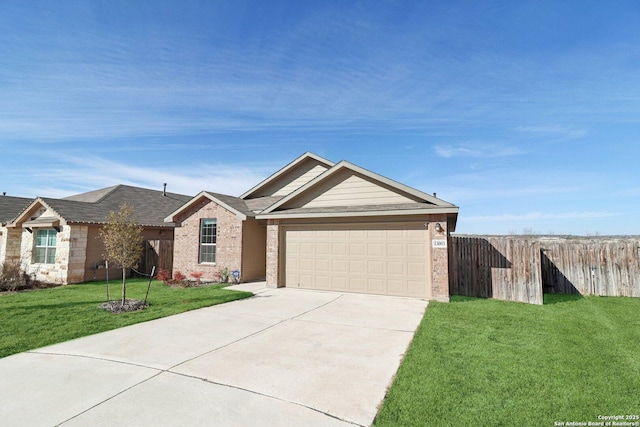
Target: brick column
{"points": [[273, 253], [439, 259]]}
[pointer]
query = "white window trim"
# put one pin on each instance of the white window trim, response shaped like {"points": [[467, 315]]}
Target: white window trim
{"points": [[201, 244], [46, 248]]}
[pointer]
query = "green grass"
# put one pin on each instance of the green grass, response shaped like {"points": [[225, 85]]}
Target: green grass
{"points": [[484, 362], [34, 319]]}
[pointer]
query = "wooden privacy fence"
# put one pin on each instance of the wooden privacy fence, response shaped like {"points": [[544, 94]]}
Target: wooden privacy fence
{"points": [[500, 267], [158, 253], [522, 268]]}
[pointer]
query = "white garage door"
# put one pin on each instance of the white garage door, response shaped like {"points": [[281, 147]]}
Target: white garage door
{"points": [[388, 259]]}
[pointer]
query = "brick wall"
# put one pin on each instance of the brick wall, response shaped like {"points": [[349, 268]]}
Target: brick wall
{"points": [[187, 241], [439, 259], [273, 255]]}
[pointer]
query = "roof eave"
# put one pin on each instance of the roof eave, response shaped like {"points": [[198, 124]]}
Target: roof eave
{"points": [[405, 212]]}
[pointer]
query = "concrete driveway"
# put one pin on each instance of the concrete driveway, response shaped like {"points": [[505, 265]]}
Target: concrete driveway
{"points": [[285, 357]]}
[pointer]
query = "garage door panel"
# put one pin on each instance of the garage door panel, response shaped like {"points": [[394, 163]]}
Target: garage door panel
{"points": [[357, 284], [375, 234], [307, 280], [357, 267], [357, 249], [376, 267], [375, 250], [323, 282], [323, 248], [395, 250], [414, 287], [339, 283], [306, 264], [416, 250], [396, 287], [396, 234], [376, 285], [416, 269], [357, 234], [340, 266], [386, 259], [396, 269], [307, 248], [339, 249]]}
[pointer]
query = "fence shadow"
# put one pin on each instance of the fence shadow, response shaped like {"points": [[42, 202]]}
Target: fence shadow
{"points": [[471, 262], [553, 280]]}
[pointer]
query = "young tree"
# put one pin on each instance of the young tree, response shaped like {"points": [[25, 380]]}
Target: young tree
{"points": [[122, 238]]}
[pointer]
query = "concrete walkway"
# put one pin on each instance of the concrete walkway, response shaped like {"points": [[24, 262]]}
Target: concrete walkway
{"points": [[284, 357]]}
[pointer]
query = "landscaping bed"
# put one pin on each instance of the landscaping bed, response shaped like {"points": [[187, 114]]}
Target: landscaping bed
{"points": [[37, 318], [489, 363]]}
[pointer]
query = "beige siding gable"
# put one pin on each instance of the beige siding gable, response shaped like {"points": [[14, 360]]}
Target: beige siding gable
{"points": [[292, 179], [349, 189], [301, 180]]}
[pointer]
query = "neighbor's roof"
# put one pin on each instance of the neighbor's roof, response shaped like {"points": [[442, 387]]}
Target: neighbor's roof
{"points": [[150, 206], [11, 207]]}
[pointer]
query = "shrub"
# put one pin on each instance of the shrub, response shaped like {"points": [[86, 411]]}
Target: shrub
{"points": [[224, 275], [164, 275], [13, 278], [197, 275], [178, 277]]}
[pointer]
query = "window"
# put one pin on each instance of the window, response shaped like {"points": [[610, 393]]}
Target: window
{"points": [[45, 246], [208, 228]]}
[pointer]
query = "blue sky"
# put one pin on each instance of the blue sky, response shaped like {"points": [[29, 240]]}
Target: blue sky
{"points": [[524, 114]]}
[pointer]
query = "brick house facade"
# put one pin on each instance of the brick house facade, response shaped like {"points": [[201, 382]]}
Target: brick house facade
{"points": [[320, 225]]}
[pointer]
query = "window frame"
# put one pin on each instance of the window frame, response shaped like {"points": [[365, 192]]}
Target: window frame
{"points": [[48, 248], [208, 241]]}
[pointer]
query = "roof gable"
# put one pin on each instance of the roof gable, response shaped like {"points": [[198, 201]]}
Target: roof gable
{"points": [[348, 188], [348, 185], [230, 203], [38, 208], [11, 207], [291, 177]]}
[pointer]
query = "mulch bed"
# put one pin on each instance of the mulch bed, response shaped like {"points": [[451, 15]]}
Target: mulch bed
{"points": [[129, 305]]}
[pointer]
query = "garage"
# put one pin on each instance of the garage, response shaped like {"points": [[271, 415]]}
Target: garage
{"points": [[373, 257]]}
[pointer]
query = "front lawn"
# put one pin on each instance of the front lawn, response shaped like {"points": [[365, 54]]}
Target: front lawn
{"points": [[480, 362], [34, 319]]}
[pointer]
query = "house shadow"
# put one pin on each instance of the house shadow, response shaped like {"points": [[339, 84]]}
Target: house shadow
{"points": [[556, 286], [471, 264]]}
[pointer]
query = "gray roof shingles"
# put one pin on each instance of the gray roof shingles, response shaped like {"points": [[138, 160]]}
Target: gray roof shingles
{"points": [[150, 206]]}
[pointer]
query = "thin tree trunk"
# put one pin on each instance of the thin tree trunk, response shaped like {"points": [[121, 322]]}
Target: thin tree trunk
{"points": [[124, 285]]}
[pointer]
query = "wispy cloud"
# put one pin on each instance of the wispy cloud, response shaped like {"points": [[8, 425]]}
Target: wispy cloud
{"points": [[471, 149], [80, 174], [541, 216], [553, 131]]}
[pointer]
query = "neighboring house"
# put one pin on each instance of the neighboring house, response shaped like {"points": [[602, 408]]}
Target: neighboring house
{"points": [[321, 225], [57, 240], [10, 207]]}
